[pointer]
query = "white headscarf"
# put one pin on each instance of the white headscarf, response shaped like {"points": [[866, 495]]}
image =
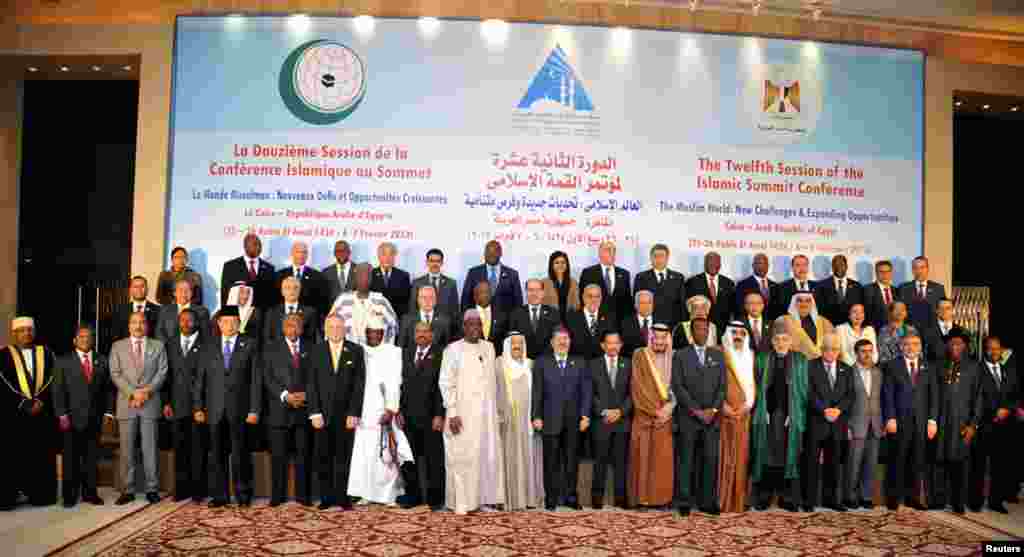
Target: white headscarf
{"points": [[244, 312], [795, 313], [514, 369], [742, 361]]}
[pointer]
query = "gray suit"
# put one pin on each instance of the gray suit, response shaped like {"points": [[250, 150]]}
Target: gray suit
{"points": [[334, 286], [128, 374], [865, 422], [447, 297]]}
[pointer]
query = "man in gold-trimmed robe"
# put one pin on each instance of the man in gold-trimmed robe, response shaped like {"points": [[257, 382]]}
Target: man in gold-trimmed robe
{"points": [[652, 460], [734, 440], [806, 328], [26, 412]]}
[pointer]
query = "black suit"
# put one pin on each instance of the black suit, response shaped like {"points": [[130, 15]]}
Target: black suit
{"points": [[281, 375], [396, 289], [84, 402], [167, 326], [499, 326], [935, 341], [119, 320], [538, 341], [560, 398], [722, 302], [506, 296], [912, 405], [229, 394], [995, 441], [876, 311], [334, 284], [611, 441], [419, 404], [440, 323], [750, 284], [237, 270], [313, 292], [831, 306], [823, 435], [273, 324], [190, 439], [619, 302], [634, 336], [921, 311], [697, 386], [766, 334], [335, 394], [584, 343], [669, 296], [787, 288]]}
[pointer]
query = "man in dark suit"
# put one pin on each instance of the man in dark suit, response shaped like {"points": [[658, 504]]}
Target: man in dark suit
{"points": [[699, 388], [801, 282], [394, 283], [995, 443], [936, 335], [421, 417], [228, 395], [878, 296], [447, 291], [760, 283], [638, 329], [830, 396], [440, 323], [587, 324], [335, 401], [291, 290], [495, 322], [715, 287], [758, 328], [910, 406], [535, 321], [836, 294], [616, 294], [137, 301], [253, 271], [190, 438], [562, 395], [167, 325], [339, 276], [82, 400], [610, 411], [668, 287], [287, 368], [504, 281], [314, 287], [921, 295]]}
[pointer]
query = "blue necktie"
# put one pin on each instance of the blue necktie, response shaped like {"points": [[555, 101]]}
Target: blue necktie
{"points": [[227, 354], [492, 277]]}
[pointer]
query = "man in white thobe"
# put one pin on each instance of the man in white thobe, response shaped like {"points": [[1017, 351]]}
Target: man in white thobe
{"points": [[359, 306], [472, 447], [377, 458]]}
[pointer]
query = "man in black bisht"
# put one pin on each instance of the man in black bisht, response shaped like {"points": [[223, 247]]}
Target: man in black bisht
{"points": [[26, 410], [959, 410]]}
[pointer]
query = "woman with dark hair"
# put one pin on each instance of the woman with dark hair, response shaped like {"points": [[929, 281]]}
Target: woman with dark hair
{"points": [[560, 289], [179, 270]]}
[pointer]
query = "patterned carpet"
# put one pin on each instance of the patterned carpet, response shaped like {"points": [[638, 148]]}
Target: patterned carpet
{"points": [[183, 529]]}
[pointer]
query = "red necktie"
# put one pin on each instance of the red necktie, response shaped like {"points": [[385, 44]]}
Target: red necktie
{"points": [[913, 373], [295, 355], [252, 269], [711, 287], [888, 296], [764, 289], [87, 369]]}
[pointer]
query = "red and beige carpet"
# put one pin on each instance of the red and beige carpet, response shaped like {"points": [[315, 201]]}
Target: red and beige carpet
{"points": [[191, 530]]}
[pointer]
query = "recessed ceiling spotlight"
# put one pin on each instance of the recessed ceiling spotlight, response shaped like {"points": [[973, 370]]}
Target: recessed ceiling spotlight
{"points": [[33, 69], [65, 69], [96, 68], [126, 68], [986, 106], [1014, 108]]}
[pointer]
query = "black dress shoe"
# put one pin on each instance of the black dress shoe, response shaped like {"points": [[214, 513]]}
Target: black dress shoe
{"points": [[837, 507], [305, 502], [69, 503], [436, 508], [917, 506], [407, 501], [936, 506], [958, 509], [712, 510], [153, 497], [851, 505], [179, 498], [790, 507], [807, 508], [762, 506], [198, 499], [217, 503], [975, 508], [125, 498], [683, 511], [550, 508], [1013, 499], [326, 504], [276, 502], [999, 508], [597, 506], [93, 500]]}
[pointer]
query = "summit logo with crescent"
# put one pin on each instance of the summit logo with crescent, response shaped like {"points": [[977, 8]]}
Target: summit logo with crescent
{"points": [[322, 82]]}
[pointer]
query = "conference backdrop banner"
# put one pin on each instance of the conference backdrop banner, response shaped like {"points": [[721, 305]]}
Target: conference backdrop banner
{"points": [[441, 133]]}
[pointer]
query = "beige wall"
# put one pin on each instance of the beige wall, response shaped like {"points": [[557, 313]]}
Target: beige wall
{"points": [[154, 44]]}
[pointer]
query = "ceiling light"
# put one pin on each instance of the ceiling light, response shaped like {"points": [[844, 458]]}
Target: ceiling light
{"points": [[958, 103], [96, 68], [33, 69], [126, 68], [65, 69], [1014, 108], [986, 106]]}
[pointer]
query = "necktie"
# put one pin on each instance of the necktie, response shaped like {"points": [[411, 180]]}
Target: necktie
{"points": [[700, 355], [139, 308], [645, 329], [419, 356], [711, 287], [842, 290], [137, 350], [87, 368], [492, 277], [184, 347], [756, 326], [252, 269], [886, 296], [485, 315], [801, 287], [433, 282], [764, 288], [561, 367], [428, 317], [660, 277], [608, 279], [921, 291], [227, 354], [291, 309], [831, 376], [341, 276], [997, 375], [335, 355], [913, 373], [295, 354], [298, 274], [387, 278], [533, 320], [593, 324]]}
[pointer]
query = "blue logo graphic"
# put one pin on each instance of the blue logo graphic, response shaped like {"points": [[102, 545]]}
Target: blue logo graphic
{"points": [[556, 85]]}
